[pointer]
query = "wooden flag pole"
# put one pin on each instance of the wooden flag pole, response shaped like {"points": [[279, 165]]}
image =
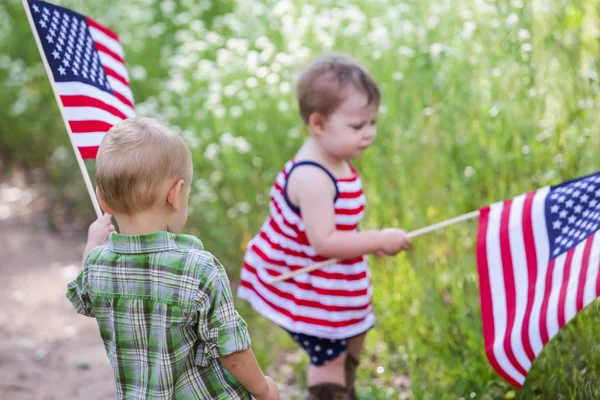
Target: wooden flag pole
{"points": [[412, 234], [82, 167]]}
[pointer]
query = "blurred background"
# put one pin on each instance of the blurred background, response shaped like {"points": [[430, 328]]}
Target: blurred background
{"points": [[482, 100]]}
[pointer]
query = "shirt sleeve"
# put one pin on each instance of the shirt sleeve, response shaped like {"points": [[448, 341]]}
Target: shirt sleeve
{"points": [[78, 295], [221, 329]]}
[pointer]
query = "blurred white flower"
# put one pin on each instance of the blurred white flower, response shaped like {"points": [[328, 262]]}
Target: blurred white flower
{"points": [[178, 84], [167, 6], [285, 87], [241, 144], [212, 152], [244, 207], [236, 111], [427, 111], [433, 21], [215, 177], [526, 47], [436, 49], [524, 34], [262, 72], [138, 72], [272, 79], [469, 171], [512, 20], [406, 51], [469, 28], [252, 82], [230, 90], [467, 14], [219, 111], [494, 111], [397, 76], [249, 105], [214, 38], [226, 139], [283, 106]]}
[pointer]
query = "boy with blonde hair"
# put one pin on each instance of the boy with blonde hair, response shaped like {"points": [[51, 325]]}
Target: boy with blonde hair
{"points": [[163, 304]]}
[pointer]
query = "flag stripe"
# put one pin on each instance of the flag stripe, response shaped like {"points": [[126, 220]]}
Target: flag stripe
{"points": [[520, 279], [121, 98], [590, 291], [89, 126], [542, 247], [584, 273], [573, 282], [111, 73], [88, 139], [108, 53], [91, 113], [544, 310], [118, 68], [91, 102], [563, 289], [557, 278], [88, 152], [509, 286], [93, 24], [531, 262]]}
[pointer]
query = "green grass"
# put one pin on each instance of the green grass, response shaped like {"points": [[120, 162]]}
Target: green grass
{"points": [[483, 100]]}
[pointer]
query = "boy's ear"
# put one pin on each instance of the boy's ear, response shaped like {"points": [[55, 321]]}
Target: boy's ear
{"points": [[174, 194], [103, 204], [317, 123]]}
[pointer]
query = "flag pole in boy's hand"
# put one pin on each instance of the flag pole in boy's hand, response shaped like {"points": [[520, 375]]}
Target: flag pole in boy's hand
{"points": [[412, 234]]}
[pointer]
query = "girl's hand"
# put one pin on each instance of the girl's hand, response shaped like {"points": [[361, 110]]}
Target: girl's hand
{"points": [[394, 241]]}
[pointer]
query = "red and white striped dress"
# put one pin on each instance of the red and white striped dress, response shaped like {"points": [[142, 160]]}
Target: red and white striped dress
{"points": [[334, 302]]}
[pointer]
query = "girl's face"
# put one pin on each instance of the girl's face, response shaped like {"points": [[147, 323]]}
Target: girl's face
{"points": [[351, 128]]}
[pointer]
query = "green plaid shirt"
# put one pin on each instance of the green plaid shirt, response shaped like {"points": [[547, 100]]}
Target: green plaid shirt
{"points": [[165, 312]]}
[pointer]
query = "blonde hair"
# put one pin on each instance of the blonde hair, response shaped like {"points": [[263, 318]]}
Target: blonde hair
{"points": [[135, 159], [323, 85]]}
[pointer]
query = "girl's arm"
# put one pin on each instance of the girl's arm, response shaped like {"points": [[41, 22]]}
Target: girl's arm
{"points": [[313, 191]]}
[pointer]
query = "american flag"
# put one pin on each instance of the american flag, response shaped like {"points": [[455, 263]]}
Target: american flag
{"points": [[88, 72], [537, 258]]}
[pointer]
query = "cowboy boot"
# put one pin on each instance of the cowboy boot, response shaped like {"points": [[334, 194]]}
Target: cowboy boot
{"points": [[350, 369], [327, 391]]}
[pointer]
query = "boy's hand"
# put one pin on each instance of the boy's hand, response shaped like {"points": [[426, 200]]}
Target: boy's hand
{"points": [[99, 231], [393, 241], [273, 392]]}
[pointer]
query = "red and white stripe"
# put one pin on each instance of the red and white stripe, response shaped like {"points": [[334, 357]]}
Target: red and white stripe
{"points": [[92, 112], [334, 302], [526, 297]]}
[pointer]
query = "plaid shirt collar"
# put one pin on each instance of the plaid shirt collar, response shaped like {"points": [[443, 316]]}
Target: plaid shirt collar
{"points": [[150, 243]]}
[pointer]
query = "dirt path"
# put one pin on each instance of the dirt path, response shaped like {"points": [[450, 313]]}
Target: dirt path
{"points": [[47, 351]]}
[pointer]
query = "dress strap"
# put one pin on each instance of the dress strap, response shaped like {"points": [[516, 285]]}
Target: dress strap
{"points": [[313, 164]]}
